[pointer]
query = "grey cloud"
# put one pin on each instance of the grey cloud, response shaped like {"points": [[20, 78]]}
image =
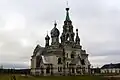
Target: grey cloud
{"points": [[102, 60], [97, 21], [14, 66]]}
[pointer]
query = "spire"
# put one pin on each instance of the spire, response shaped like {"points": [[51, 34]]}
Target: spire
{"points": [[67, 15], [76, 32], [77, 37]]}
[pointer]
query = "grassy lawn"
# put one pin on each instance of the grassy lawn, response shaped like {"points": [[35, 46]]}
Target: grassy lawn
{"points": [[18, 77]]}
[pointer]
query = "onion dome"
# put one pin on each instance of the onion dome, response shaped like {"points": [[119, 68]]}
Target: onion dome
{"points": [[77, 37], [47, 37], [55, 32]]}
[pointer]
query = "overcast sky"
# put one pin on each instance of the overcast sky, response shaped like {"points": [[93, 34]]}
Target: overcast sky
{"points": [[24, 24]]}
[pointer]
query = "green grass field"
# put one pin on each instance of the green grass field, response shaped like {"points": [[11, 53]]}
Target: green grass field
{"points": [[18, 77]]}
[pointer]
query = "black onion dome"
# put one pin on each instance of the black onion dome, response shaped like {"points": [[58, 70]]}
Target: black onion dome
{"points": [[55, 32], [47, 37], [77, 37]]}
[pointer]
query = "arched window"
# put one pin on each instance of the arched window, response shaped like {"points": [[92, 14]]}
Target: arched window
{"points": [[83, 62], [59, 69], [72, 55], [48, 69], [67, 64], [59, 61], [73, 70], [67, 55]]}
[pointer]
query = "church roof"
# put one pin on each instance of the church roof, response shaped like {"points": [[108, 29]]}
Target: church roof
{"points": [[37, 49], [109, 66], [45, 60]]}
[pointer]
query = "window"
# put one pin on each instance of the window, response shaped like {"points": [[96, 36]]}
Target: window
{"points": [[73, 70], [67, 64], [72, 55], [67, 55], [59, 69], [83, 62], [48, 69], [59, 61]]}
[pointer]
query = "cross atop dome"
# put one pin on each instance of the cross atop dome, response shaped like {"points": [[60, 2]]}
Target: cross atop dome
{"points": [[67, 13], [55, 24]]}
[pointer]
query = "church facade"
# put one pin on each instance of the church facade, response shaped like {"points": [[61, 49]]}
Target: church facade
{"points": [[65, 57]]}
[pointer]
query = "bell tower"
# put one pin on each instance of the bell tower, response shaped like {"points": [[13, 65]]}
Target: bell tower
{"points": [[68, 34]]}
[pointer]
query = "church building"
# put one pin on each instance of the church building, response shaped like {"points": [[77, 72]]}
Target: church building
{"points": [[63, 56]]}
